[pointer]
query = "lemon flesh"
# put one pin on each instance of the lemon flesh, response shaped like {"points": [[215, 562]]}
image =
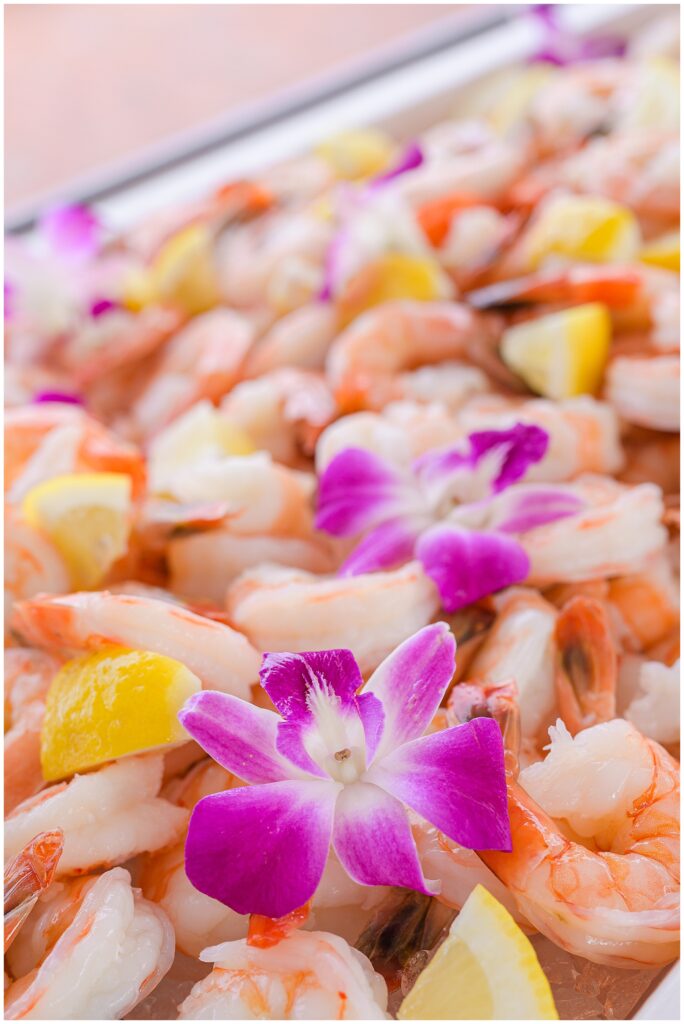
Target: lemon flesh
{"points": [[110, 704], [87, 517], [584, 228], [486, 969]]}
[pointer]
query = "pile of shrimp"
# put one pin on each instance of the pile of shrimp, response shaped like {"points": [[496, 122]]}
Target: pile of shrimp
{"points": [[220, 314]]}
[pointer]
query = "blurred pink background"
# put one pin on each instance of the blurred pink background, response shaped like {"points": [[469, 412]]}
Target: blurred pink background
{"points": [[88, 85]]}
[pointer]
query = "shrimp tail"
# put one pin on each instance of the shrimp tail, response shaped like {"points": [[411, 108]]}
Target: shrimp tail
{"points": [[586, 677], [28, 875]]}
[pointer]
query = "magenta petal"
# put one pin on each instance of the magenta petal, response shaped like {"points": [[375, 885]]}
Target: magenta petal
{"points": [[373, 840], [261, 849], [289, 678], [290, 743], [467, 565], [387, 546], [455, 779], [356, 491], [515, 450], [240, 736], [523, 509], [410, 159], [372, 716], [411, 682], [71, 231]]}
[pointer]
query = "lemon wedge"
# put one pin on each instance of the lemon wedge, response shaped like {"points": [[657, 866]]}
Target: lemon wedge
{"points": [[182, 274], [586, 228], [486, 969], [662, 252], [393, 276], [356, 154], [563, 354], [87, 517], [110, 704]]}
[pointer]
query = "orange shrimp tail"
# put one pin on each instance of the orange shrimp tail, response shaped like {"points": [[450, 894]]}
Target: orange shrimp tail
{"points": [[28, 875], [586, 678], [265, 932]]}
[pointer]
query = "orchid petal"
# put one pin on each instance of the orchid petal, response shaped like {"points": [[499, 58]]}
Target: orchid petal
{"points": [[239, 735], [386, 547], [466, 565], [261, 849], [290, 743], [71, 231], [410, 159], [372, 716], [356, 491], [411, 682], [455, 779], [373, 840], [290, 679], [525, 507]]}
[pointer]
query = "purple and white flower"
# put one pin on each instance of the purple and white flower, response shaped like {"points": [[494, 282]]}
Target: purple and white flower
{"points": [[338, 764], [455, 510]]}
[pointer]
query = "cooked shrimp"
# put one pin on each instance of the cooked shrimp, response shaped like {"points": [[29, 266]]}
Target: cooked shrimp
{"points": [[28, 674], [364, 360], [90, 951], [521, 646], [586, 677], [645, 391], [617, 533], [33, 565], [202, 361], [654, 709], [584, 434], [646, 604], [219, 655], [575, 104], [107, 816], [616, 901], [300, 339], [23, 775], [285, 610], [306, 975], [283, 412], [28, 875]]}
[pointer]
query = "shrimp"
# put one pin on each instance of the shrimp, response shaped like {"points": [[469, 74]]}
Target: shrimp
{"points": [[574, 105], [584, 434], [363, 361], [93, 948], [203, 565], [221, 657], [23, 774], [283, 412], [299, 339], [28, 875], [646, 604], [654, 708], [107, 816], [615, 534], [521, 645], [645, 391], [33, 565], [616, 901], [307, 975], [586, 678], [28, 674], [203, 360], [399, 434], [284, 610]]}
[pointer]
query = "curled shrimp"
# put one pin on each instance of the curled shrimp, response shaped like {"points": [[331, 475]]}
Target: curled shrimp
{"points": [[94, 948], [107, 816], [646, 604], [221, 657], [284, 610], [300, 339], [364, 360], [305, 975], [586, 678], [645, 391], [28, 875], [654, 707], [33, 565]]}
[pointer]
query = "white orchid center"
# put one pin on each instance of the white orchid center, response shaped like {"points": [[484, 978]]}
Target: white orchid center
{"points": [[335, 740]]}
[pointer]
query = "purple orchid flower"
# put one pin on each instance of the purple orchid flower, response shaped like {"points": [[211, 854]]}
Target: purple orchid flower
{"points": [[72, 232], [337, 765], [562, 48], [415, 514]]}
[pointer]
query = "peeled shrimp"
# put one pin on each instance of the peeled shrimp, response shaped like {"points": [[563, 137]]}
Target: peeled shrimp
{"points": [[33, 565], [221, 657], [306, 976], [646, 604], [654, 709], [618, 902], [645, 391], [107, 816], [363, 361], [299, 339], [89, 951], [28, 875], [285, 610]]}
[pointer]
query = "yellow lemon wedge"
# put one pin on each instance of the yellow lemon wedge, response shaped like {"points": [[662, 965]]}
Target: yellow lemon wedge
{"points": [[110, 704], [515, 93], [393, 276], [200, 434], [586, 228], [662, 252], [356, 154], [182, 274], [562, 354], [87, 516], [486, 969]]}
